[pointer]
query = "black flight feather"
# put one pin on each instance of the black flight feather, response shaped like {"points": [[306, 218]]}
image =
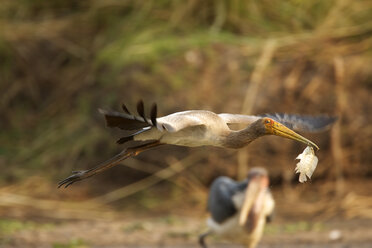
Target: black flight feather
{"points": [[141, 109], [154, 112], [123, 121], [125, 109]]}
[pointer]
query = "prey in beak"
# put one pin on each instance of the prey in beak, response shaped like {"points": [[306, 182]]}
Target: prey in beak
{"points": [[254, 200], [275, 128]]}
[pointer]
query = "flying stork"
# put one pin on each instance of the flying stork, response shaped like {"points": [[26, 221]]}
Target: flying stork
{"points": [[198, 128]]}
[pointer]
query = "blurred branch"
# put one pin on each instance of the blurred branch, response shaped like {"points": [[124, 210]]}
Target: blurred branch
{"points": [[147, 182], [152, 169], [336, 143], [220, 16], [356, 206], [250, 98], [257, 76], [17, 205], [334, 15]]}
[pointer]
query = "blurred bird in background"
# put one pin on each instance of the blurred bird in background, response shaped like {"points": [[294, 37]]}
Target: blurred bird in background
{"points": [[239, 209]]}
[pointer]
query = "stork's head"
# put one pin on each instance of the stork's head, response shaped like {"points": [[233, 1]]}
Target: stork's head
{"points": [[253, 206], [273, 127]]}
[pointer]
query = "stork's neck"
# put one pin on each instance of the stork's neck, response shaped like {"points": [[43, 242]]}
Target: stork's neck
{"points": [[241, 138]]}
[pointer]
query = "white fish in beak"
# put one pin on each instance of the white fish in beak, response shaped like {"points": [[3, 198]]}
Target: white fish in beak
{"points": [[307, 164]]}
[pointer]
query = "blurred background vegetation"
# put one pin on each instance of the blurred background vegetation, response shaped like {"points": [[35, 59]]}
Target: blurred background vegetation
{"points": [[61, 60]]}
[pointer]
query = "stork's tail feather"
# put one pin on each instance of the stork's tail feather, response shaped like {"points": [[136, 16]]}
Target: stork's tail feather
{"points": [[128, 121]]}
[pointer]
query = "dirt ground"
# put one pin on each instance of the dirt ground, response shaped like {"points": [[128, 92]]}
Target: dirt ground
{"points": [[180, 231], [298, 222]]}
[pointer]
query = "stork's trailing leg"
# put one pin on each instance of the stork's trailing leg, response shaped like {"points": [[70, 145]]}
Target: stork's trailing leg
{"points": [[202, 238], [129, 152]]}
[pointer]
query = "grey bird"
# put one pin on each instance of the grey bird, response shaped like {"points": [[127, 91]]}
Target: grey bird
{"points": [[239, 209]]}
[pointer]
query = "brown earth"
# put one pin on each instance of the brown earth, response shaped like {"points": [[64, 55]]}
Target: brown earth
{"points": [[183, 232], [299, 221]]}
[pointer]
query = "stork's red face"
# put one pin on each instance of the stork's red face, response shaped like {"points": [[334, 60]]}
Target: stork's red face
{"points": [[275, 128]]}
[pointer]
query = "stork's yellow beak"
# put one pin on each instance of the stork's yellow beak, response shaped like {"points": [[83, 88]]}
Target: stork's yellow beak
{"points": [[275, 128]]}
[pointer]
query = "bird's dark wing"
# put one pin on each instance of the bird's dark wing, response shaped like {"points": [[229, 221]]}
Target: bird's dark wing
{"points": [[220, 203], [303, 123], [123, 121], [128, 121]]}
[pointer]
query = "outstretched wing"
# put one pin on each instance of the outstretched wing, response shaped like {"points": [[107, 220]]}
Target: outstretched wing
{"points": [[185, 119], [128, 121], [220, 203], [238, 119], [123, 121], [170, 123], [303, 123]]}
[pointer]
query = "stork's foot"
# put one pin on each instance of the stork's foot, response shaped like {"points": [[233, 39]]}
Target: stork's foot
{"points": [[76, 176]]}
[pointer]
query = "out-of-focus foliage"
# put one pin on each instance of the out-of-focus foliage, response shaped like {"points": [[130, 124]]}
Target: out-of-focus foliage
{"points": [[61, 60]]}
